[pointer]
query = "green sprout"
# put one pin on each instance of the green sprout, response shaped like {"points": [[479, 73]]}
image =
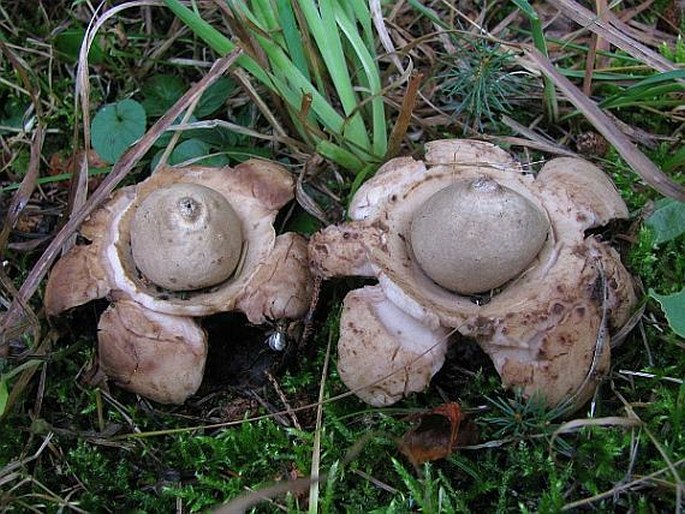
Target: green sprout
{"points": [[521, 417], [480, 85]]}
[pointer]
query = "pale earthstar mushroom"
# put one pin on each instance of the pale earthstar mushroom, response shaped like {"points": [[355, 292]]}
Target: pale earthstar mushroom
{"points": [[559, 292], [184, 243], [453, 249], [186, 237]]}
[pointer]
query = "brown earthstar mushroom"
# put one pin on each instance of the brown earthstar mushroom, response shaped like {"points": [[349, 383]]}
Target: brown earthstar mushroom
{"points": [[467, 241], [185, 243]]}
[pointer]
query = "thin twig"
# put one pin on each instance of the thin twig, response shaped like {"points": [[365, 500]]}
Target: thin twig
{"points": [[316, 444], [284, 400], [404, 118]]}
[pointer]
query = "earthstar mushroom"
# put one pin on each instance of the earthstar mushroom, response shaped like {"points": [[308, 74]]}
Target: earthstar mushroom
{"points": [[474, 235], [546, 325], [186, 237], [182, 244]]}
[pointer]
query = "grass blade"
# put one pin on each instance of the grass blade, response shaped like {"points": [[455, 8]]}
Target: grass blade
{"points": [[320, 22], [648, 90], [551, 104], [372, 74], [338, 154], [216, 40], [292, 36], [358, 11], [291, 81], [632, 155]]}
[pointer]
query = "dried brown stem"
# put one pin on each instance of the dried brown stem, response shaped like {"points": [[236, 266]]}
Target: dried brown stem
{"points": [[614, 32], [632, 155], [404, 118]]}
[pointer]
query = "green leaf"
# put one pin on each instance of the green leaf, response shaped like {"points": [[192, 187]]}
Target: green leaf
{"points": [[214, 97], [12, 115], [4, 395], [115, 127], [187, 150], [68, 44], [192, 149], [160, 92], [676, 161], [673, 306], [667, 221]]}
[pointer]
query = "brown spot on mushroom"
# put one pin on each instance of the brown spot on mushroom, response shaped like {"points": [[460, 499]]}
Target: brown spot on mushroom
{"points": [[580, 250]]}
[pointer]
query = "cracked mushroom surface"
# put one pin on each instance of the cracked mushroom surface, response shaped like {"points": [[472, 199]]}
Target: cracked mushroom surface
{"points": [[182, 244], [466, 240]]}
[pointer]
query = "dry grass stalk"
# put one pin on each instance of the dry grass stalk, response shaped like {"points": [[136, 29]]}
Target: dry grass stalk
{"points": [[632, 155]]}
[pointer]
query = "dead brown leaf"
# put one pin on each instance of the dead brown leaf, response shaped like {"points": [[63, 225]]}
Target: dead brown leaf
{"points": [[436, 433]]}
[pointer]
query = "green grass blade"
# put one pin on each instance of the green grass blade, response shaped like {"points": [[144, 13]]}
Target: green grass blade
{"points": [[598, 76], [428, 13], [257, 19], [269, 19], [677, 161], [200, 27], [266, 29], [320, 21], [328, 116], [339, 155], [647, 90], [361, 15], [655, 103], [550, 95], [658, 78], [293, 96], [380, 132], [275, 29], [216, 40], [292, 36]]}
